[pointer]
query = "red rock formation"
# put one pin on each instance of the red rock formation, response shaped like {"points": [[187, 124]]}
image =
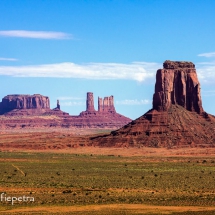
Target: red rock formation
{"points": [[106, 105], [58, 104], [105, 117], [18, 102], [33, 116], [178, 84], [100, 104], [90, 102], [177, 118]]}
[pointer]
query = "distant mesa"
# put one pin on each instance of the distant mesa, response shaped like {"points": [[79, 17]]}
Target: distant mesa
{"points": [[177, 118], [38, 106], [30, 104]]}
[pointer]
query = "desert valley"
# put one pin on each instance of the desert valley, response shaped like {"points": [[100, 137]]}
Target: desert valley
{"points": [[101, 162]]}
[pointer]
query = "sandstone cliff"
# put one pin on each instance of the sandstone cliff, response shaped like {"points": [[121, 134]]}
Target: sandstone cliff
{"points": [[17, 102], [177, 83]]}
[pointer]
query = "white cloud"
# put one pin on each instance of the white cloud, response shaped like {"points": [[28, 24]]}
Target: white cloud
{"points": [[64, 98], [35, 34], [206, 72], [209, 54], [7, 59], [72, 103], [139, 71], [134, 102]]}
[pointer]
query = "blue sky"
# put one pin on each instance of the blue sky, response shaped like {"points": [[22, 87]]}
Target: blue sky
{"points": [[63, 49]]}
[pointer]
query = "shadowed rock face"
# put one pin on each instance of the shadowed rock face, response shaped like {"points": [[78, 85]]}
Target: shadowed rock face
{"points": [[12, 102], [177, 83], [177, 118]]}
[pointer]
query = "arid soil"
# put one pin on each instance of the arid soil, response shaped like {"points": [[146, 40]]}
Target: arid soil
{"points": [[78, 141], [110, 209]]}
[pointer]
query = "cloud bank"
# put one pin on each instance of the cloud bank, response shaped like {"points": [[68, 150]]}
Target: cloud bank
{"points": [[36, 34], [72, 103], [206, 72], [134, 102], [208, 54], [65, 98], [138, 71]]}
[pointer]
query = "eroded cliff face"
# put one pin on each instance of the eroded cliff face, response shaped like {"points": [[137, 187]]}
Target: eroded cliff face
{"points": [[12, 102], [177, 83]]}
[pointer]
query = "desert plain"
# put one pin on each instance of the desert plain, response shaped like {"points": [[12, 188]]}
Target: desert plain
{"points": [[68, 178]]}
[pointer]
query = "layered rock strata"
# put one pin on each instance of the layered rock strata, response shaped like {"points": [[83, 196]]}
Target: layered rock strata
{"points": [[177, 118], [177, 83], [36, 103]]}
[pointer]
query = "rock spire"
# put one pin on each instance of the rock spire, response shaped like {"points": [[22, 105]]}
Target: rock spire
{"points": [[58, 104], [90, 102], [106, 104]]}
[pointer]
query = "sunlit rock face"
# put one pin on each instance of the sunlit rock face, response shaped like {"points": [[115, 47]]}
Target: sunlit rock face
{"points": [[177, 83]]}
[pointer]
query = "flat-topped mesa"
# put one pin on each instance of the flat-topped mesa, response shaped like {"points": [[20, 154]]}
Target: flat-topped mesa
{"points": [[177, 83], [106, 105], [16, 101], [90, 102]]}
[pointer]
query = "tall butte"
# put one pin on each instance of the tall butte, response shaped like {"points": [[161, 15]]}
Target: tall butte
{"points": [[177, 118]]}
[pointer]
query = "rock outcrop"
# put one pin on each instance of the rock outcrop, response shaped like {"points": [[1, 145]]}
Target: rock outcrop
{"points": [[34, 112], [177, 118], [105, 117], [58, 104], [16, 102], [177, 83]]}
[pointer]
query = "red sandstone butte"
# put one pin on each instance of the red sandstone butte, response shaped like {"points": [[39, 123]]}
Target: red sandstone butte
{"points": [[29, 104], [177, 118]]}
